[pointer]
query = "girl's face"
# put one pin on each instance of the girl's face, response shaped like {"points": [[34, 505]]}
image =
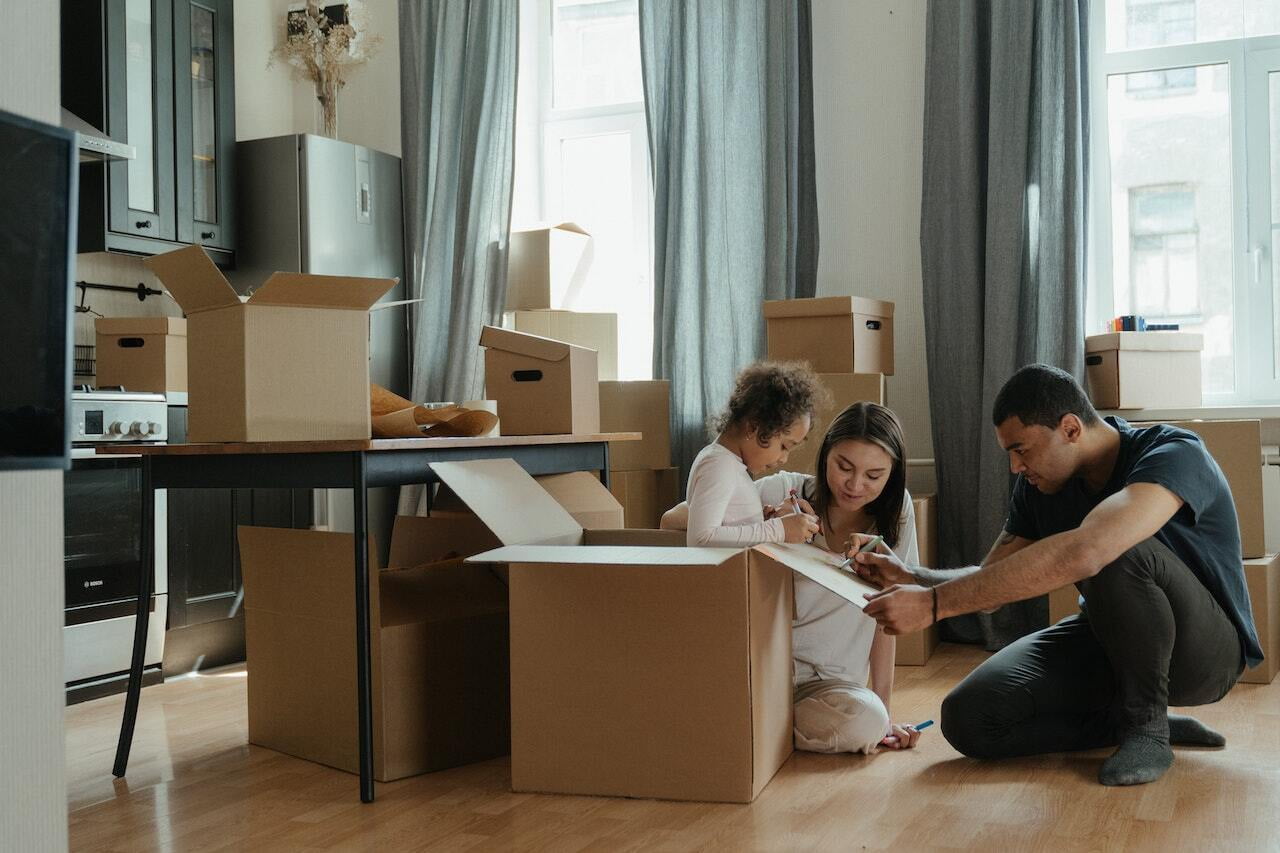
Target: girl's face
{"points": [[772, 454], [856, 472]]}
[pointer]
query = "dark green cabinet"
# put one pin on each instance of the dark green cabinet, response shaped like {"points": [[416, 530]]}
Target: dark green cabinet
{"points": [[159, 75]]}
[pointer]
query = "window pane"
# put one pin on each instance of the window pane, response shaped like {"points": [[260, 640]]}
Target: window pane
{"points": [[1273, 85], [597, 193], [1171, 200], [1133, 24], [203, 116], [139, 118], [1261, 17], [596, 53]]}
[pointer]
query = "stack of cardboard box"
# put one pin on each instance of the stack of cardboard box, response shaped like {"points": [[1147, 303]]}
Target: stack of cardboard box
{"points": [[640, 472], [545, 269]]}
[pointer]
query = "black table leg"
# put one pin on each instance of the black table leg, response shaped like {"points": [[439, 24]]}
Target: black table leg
{"points": [[364, 655], [604, 471], [146, 584]]}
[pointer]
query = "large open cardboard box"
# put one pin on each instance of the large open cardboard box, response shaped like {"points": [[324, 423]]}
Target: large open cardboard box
{"points": [[835, 334], [916, 648], [844, 388], [642, 406], [543, 387], [546, 266], [640, 671], [439, 631], [597, 331], [1143, 370], [141, 353], [290, 364]]}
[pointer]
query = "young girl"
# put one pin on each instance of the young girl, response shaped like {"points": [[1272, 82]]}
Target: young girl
{"points": [[768, 414], [843, 662]]}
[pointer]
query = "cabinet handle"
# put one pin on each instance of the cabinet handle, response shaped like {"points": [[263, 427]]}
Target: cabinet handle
{"points": [[142, 223], [206, 235]]}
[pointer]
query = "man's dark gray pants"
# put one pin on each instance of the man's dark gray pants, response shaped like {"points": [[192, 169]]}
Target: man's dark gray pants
{"points": [[1151, 636]]}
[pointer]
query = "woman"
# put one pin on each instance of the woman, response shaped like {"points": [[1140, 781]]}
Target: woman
{"points": [[838, 649]]}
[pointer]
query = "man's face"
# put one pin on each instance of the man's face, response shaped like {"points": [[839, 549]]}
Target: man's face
{"points": [[1046, 458]]}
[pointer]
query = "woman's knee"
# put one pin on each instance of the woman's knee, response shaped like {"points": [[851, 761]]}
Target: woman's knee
{"points": [[840, 720]]}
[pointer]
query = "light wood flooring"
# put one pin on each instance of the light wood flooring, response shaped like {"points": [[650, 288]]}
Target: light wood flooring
{"points": [[194, 784]]}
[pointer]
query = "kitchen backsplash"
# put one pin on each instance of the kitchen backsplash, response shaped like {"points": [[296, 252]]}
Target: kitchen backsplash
{"points": [[124, 270]]}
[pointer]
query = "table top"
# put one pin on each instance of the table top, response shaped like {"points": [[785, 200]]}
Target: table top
{"points": [[371, 444]]}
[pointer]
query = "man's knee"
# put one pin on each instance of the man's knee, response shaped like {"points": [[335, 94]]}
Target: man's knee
{"points": [[966, 723], [1118, 576]]}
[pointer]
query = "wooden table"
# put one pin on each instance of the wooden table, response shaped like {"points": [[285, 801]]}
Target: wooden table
{"points": [[357, 465]]}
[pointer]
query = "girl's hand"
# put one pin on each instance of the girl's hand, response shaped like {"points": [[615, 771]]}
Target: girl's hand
{"points": [[900, 737], [799, 527], [770, 511]]}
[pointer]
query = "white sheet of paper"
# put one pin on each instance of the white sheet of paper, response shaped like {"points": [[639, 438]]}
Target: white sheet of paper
{"points": [[820, 567]]}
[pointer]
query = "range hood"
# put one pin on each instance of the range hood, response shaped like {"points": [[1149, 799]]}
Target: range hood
{"points": [[95, 145]]}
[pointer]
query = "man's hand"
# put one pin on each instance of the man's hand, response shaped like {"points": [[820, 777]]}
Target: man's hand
{"points": [[881, 568], [901, 609]]}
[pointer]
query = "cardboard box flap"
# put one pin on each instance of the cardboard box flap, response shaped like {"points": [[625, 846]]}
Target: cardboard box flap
{"points": [[416, 540], [439, 593], [124, 326], [193, 280], [622, 555], [585, 498], [523, 343], [571, 226], [509, 502], [827, 306], [321, 291], [1145, 341], [819, 566]]}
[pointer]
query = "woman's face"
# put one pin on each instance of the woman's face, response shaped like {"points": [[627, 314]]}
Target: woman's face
{"points": [[856, 472]]}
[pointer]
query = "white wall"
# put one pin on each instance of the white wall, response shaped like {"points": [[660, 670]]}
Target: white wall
{"points": [[868, 93], [33, 793]]}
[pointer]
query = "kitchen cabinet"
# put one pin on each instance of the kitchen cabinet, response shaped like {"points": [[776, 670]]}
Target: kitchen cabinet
{"points": [[159, 75]]}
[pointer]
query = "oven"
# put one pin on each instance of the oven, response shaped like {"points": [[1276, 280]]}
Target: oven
{"points": [[103, 529]]}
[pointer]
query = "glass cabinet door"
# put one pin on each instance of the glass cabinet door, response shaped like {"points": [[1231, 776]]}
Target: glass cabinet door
{"points": [[204, 121]]}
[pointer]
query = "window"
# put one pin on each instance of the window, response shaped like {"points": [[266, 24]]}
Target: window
{"points": [[1185, 217], [582, 155]]}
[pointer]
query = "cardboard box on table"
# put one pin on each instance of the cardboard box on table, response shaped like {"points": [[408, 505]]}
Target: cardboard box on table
{"points": [[835, 334], [440, 650], [916, 648], [645, 494], [595, 331], [1263, 579], [546, 266], [141, 353], [640, 671], [844, 388], [1237, 448], [1143, 370], [290, 364], [542, 387], [638, 406]]}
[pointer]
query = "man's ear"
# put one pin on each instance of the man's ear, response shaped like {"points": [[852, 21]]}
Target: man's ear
{"points": [[1072, 427]]}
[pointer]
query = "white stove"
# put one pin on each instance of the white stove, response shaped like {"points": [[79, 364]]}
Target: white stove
{"points": [[107, 416]]}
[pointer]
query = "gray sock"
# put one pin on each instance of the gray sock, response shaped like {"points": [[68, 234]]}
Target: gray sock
{"points": [[1188, 731], [1143, 756]]}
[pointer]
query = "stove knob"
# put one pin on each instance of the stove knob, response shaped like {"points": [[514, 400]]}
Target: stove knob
{"points": [[136, 428], [116, 428], [153, 428]]}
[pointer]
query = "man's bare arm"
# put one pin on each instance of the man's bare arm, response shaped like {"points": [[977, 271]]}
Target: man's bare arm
{"points": [[1006, 545]]}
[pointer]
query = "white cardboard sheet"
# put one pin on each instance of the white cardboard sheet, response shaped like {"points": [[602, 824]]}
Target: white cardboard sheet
{"points": [[820, 567]]}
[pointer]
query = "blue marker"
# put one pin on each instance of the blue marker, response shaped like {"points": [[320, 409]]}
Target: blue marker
{"points": [[922, 726]]}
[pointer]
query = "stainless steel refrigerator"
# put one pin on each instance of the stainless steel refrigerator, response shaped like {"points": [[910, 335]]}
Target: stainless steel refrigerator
{"points": [[316, 205]]}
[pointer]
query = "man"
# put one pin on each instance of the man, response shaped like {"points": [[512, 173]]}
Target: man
{"points": [[1142, 522]]}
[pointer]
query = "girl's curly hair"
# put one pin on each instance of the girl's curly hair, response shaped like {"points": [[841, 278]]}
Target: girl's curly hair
{"points": [[770, 396]]}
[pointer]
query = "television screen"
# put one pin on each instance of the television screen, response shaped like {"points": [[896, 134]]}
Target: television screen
{"points": [[38, 183]]}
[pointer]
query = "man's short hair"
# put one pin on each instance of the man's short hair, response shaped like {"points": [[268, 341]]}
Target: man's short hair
{"points": [[1041, 394]]}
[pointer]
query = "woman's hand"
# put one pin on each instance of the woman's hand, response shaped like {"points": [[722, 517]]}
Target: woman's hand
{"points": [[882, 568], [799, 527], [900, 737]]}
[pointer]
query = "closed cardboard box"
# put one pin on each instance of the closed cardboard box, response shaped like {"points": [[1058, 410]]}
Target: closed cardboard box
{"points": [[1143, 370], [835, 334], [591, 331], [141, 353], [1063, 602], [645, 495], [542, 387], [440, 650], [643, 407], [844, 388], [1237, 448], [641, 671], [546, 266], [915, 649], [290, 364], [1263, 578]]}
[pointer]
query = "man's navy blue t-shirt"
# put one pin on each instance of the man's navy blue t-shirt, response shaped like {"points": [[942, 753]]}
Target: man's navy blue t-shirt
{"points": [[1204, 532]]}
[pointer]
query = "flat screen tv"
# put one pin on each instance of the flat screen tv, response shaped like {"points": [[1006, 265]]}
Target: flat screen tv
{"points": [[39, 173]]}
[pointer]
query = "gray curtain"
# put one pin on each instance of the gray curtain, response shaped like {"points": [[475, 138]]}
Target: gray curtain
{"points": [[1002, 244], [729, 105], [458, 61]]}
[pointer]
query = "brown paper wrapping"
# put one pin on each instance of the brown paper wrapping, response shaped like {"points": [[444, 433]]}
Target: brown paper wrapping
{"points": [[396, 417]]}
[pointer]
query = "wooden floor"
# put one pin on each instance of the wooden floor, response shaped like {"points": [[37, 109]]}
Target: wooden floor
{"points": [[194, 784]]}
